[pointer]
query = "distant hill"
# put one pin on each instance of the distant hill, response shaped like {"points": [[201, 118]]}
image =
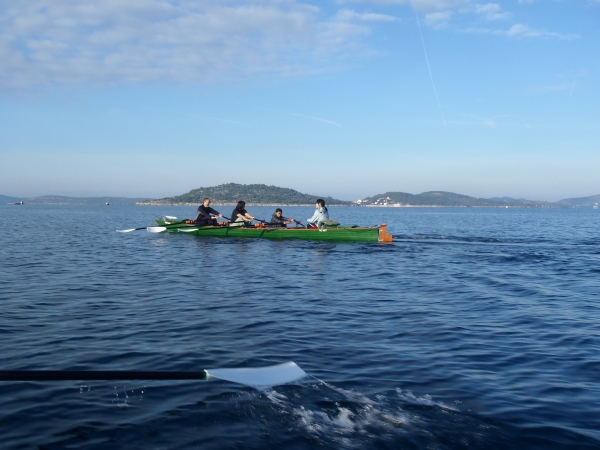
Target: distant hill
{"points": [[81, 201], [506, 199], [4, 199], [231, 193], [581, 201], [441, 198]]}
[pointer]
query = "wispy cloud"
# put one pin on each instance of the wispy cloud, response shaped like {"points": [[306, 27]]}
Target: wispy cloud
{"points": [[439, 13], [60, 42], [494, 122], [550, 89], [488, 122], [491, 11], [522, 31], [438, 19], [417, 5], [317, 119], [519, 30], [346, 15], [218, 119]]}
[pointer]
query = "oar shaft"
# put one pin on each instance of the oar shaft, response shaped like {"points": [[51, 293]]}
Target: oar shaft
{"points": [[77, 375]]}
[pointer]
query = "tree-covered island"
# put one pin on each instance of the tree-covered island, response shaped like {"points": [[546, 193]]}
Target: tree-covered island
{"points": [[252, 194]]}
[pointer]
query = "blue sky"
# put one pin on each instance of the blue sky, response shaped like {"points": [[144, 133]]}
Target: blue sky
{"points": [[343, 98]]}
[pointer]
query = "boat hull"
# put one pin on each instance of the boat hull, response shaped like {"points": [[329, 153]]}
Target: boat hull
{"points": [[334, 234]]}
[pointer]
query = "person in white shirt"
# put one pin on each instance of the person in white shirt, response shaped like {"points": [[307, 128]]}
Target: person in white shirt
{"points": [[321, 214]]}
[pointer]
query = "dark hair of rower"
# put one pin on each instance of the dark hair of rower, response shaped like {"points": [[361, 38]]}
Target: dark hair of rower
{"points": [[241, 204], [278, 210], [321, 202]]}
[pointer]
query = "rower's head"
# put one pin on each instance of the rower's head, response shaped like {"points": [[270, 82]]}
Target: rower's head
{"points": [[241, 204], [320, 203], [206, 201], [278, 212]]}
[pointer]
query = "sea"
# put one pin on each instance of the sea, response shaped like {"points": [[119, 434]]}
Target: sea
{"points": [[476, 328]]}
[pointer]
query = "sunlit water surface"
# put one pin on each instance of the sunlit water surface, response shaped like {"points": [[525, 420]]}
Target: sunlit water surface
{"points": [[476, 328]]}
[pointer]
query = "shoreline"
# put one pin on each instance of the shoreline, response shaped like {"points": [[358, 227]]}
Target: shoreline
{"points": [[232, 204], [362, 206]]}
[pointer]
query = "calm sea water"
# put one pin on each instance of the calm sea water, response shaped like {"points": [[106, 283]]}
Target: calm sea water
{"points": [[476, 328]]}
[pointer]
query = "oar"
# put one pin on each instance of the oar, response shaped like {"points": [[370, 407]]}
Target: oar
{"points": [[129, 230], [163, 227], [254, 377], [160, 229], [153, 230]]}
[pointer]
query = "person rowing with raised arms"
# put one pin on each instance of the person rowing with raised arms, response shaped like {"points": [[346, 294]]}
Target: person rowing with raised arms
{"points": [[206, 215], [239, 216]]}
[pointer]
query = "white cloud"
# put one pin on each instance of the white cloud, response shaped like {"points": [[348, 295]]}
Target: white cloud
{"points": [[438, 5], [523, 31], [491, 11], [347, 15], [318, 119], [438, 19], [61, 42], [520, 30], [549, 89], [417, 5]]}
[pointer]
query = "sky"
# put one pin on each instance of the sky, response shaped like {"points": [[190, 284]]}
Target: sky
{"points": [[348, 98]]}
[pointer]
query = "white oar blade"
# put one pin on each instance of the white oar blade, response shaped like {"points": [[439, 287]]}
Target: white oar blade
{"points": [[156, 229], [187, 230], [170, 217], [126, 231], [260, 377]]}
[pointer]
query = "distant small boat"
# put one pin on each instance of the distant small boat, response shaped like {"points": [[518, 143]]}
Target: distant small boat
{"points": [[596, 206], [107, 202], [19, 203]]}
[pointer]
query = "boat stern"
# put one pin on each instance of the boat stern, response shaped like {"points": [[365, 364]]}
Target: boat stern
{"points": [[384, 236]]}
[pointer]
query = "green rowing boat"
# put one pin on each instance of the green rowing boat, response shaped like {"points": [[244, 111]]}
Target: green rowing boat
{"points": [[340, 233]]}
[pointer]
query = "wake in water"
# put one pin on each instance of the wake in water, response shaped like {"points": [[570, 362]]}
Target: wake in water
{"points": [[333, 417]]}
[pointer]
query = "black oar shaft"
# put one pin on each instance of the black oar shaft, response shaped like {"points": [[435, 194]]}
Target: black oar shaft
{"points": [[77, 375]]}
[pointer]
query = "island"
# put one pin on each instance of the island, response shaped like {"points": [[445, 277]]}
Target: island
{"points": [[252, 194]]}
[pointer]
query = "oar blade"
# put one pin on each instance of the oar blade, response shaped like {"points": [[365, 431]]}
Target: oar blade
{"points": [[187, 230], [156, 229], [126, 231], [260, 377]]}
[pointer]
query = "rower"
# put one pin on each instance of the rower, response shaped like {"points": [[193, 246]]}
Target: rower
{"points": [[240, 217], [206, 215], [277, 219], [320, 216]]}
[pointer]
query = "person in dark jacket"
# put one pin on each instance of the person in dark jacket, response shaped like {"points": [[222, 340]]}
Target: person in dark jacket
{"points": [[206, 215], [239, 216], [277, 219]]}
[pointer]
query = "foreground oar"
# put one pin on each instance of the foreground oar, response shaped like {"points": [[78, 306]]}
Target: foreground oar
{"points": [[254, 377]]}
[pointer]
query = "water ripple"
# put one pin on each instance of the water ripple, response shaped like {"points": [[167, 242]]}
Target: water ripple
{"points": [[475, 328]]}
